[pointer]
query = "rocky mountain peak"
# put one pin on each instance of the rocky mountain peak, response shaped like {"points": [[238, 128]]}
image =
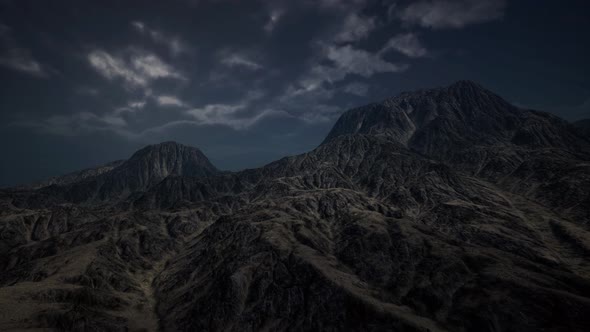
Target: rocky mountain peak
{"points": [[464, 113], [155, 162], [146, 167], [163, 147]]}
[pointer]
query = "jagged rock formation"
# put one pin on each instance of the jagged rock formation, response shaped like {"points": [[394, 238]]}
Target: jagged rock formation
{"points": [[440, 210]]}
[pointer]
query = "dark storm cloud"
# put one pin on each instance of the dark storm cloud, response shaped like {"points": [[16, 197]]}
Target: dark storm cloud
{"points": [[251, 81]]}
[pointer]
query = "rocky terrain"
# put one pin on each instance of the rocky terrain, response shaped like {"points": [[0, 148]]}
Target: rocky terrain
{"points": [[445, 209]]}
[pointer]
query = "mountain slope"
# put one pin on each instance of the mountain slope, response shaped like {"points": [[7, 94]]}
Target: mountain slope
{"points": [[475, 131], [320, 224]]}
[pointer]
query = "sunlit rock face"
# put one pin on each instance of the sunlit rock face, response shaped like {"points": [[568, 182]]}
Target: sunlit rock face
{"points": [[438, 210]]}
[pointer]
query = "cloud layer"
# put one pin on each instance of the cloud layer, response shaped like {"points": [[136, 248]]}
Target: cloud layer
{"points": [[439, 14], [14, 57], [138, 69], [346, 53]]}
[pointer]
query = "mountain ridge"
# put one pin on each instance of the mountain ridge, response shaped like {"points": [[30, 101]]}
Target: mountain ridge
{"points": [[481, 113]]}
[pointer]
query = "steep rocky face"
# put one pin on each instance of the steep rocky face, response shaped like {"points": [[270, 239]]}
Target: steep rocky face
{"points": [[373, 230]]}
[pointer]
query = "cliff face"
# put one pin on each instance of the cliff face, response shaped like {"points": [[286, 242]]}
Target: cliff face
{"points": [[438, 210]]}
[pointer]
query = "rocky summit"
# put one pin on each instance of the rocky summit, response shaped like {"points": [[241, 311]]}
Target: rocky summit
{"points": [[445, 209]]}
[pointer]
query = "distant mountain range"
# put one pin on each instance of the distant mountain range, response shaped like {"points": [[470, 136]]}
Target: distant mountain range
{"points": [[445, 209]]}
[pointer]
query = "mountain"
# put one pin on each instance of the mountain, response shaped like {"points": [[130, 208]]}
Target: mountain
{"points": [[477, 132], [151, 165], [445, 209], [445, 122], [452, 117], [142, 170]]}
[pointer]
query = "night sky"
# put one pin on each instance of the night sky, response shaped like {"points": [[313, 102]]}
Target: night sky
{"points": [[87, 82]]}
